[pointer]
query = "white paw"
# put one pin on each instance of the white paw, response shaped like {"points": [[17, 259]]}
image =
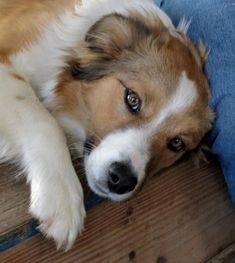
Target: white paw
{"points": [[59, 207]]}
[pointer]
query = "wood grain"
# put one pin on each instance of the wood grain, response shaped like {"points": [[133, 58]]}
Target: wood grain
{"points": [[14, 195], [182, 216], [226, 256]]}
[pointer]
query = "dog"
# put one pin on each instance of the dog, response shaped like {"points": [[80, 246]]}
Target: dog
{"points": [[113, 80]]}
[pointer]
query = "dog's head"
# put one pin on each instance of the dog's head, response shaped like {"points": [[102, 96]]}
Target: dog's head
{"points": [[140, 93]]}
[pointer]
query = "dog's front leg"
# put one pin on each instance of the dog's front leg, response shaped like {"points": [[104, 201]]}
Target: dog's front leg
{"points": [[34, 137]]}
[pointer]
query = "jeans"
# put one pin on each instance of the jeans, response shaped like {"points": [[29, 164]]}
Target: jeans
{"points": [[213, 22]]}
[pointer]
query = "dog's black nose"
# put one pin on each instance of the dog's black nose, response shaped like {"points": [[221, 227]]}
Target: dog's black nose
{"points": [[121, 178]]}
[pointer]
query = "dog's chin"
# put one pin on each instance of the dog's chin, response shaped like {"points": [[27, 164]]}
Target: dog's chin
{"points": [[105, 193]]}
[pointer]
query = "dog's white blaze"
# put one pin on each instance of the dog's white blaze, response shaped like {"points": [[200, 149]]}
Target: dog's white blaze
{"points": [[184, 97], [133, 143]]}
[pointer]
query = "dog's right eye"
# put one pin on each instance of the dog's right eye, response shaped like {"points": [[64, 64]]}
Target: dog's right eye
{"points": [[132, 101]]}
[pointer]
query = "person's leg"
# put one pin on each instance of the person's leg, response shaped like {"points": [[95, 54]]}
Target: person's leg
{"points": [[213, 22]]}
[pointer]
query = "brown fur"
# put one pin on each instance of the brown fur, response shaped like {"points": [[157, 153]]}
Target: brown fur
{"points": [[149, 60], [137, 51], [17, 76], [20, 97], [118, 48], [23, 20]]}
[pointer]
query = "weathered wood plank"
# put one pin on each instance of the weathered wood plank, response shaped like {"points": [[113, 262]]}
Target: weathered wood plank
{"points": [[14, 195], [226, 256], [16, 223], [181, 216]]}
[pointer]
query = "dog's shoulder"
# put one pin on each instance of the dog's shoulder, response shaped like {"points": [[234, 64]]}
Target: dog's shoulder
{"points": [[22, 20]]}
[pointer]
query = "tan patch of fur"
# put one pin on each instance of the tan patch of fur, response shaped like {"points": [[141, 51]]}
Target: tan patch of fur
{"points": [[148, 61], [117, 44], [20, 98], [22, 20], [70, 99], [153, 23], [190, 128], [203, 51], [100, 105], [137, 50], [16, 76]]}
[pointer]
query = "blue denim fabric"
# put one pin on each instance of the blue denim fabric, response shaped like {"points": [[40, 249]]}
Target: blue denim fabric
{"points": [[213, 21]]}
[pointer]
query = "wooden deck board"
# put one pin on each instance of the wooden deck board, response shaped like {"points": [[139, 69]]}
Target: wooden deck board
{"points": [[226, 256], [182, 216], [14, 195]]}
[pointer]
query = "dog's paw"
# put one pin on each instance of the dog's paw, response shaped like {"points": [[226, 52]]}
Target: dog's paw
{"points": [[59, 207]]}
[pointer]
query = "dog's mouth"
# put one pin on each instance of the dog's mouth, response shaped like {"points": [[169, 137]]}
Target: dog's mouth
{"points": [[100, 190], [105, 193]]}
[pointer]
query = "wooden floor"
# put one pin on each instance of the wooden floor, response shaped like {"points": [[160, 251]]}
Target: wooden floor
{"points": [[181, 216], [225, 256], [14, 201]]}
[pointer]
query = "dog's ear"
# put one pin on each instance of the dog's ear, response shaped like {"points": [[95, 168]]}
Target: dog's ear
{"points": [[104, 44], [202, 154], [109, 36]]}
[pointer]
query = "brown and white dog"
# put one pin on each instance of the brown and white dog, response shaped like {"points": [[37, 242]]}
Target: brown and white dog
{"points": [[126, 86]]}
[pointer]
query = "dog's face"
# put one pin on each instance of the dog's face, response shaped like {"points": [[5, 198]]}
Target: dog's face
{"points": [[144, 100]]}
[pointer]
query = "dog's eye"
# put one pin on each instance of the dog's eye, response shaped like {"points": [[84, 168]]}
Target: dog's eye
{"points": [[133, 101], [176, 144]]}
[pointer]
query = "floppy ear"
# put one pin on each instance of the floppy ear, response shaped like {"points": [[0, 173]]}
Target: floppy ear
{"points": [[200, 154], [104, 44], [203, 152]]}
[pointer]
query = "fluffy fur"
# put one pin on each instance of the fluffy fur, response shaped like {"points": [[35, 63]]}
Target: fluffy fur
{"points": [[65, 69]]}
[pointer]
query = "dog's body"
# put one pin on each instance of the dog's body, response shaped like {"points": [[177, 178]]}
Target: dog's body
{"points": [[115, 71]]}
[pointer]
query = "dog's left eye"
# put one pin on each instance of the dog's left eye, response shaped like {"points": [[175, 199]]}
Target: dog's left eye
{"points": [[133, 101], [176, 144]]}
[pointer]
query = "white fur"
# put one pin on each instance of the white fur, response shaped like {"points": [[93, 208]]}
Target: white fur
{"points": [[75, 132], [95, 9], [30, 134], [184, 25], [132, 144], [72, 126], [120, 146], [184, 97]]}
